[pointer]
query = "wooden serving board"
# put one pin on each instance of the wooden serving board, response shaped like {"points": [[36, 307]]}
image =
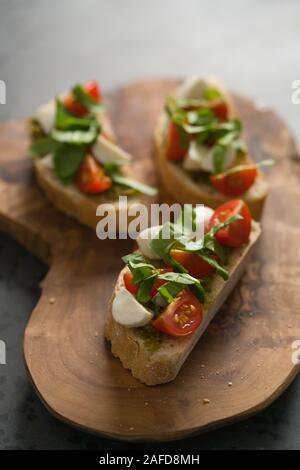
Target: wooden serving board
{"points": [[248, 344]]}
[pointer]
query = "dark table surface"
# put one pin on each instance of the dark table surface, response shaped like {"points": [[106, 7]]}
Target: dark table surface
{"points": [[45, 46]]}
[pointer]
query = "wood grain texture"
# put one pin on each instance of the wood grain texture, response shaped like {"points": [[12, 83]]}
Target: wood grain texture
{"points": [[248, 343]]}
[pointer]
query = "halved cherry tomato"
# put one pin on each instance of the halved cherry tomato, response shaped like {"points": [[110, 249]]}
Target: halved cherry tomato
{"points": [[220, 110], [237, 233], [90, 177], [235, 183], [93, 90], [182, 317], [175, 150], [133, 288], [159, 282], [195, 265], [74, 106]]}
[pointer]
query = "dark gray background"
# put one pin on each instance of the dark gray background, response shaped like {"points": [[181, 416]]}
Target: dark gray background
{"points": [[45, 46]]}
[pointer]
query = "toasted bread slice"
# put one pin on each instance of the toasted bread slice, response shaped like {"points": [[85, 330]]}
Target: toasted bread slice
{"points": [[180, 185], [157, 360], [74, 203]]}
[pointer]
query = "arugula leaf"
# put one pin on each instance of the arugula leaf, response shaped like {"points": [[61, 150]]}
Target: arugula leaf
{"points": [[67, 159], [85, 99], [133, 184], [78, 137], [43, 146], [211, 94]]}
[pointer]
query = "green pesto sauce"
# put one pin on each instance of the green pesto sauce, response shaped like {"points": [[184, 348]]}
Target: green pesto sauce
{"points": [[152, 338]]}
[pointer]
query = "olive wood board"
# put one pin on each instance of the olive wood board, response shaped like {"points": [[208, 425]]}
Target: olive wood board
{"points": [[243, 361]]}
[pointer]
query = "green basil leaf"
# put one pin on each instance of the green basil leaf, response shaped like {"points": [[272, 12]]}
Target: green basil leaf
{"points": [[67, 159], [219, 158], [133, 184], [199, 291], [178, 278], [43, 146], [134, 258], [212, 262], [145, 286], [169, 291], [64, 120]]}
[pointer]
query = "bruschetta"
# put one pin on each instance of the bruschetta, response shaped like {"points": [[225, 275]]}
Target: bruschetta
{"points": [[200, 155], [77, 161], [171, 288]]}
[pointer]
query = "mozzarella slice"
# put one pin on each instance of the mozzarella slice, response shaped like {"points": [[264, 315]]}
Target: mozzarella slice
{"points": [[45, 116], [127, 311], [201, 158], [194, 87], [107, 152], [144, 239]]}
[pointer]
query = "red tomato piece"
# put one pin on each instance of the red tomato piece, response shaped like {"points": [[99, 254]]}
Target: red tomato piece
{"points": [[133, 288], [90, 177], [195, 265], [182, 317], [236, 234], [236, 183], [93, 89], [175, 150], [220, 110], [74, 106]]}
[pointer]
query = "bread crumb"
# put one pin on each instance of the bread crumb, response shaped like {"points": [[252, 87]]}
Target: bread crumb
{"points": [[52, 300], [202, 377], [206, 401], [202, 365], [96, 333], [146, 403], [230, 384], [131, 428]]}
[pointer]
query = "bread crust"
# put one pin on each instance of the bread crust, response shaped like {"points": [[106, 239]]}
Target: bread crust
{"points": [[180, 186], [162, 364]]}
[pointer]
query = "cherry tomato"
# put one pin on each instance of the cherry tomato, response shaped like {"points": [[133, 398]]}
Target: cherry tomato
{"points": [[133, 288], [159, 282], [236, 183], [237, 233], [90, 177], [182, 317], [195, 265], [93, 89], [220, 110], [175, 151], [74, 106]]}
